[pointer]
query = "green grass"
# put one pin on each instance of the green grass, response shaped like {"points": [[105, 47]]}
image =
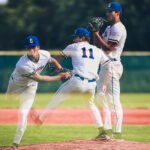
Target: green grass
{"points": [[53, 133], [128, 100], [135, 100], [56, 133]]}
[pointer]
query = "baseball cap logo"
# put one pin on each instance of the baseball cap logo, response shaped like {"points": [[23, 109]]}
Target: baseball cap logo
{"points": [[31, 40]]}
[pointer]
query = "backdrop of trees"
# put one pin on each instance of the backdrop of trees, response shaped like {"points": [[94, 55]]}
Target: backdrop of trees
{"points": [[54, 21]]}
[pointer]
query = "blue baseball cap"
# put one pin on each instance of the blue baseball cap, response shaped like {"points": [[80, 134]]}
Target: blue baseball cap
{"points": [[81, 32], [114, 6], [31, 41]]}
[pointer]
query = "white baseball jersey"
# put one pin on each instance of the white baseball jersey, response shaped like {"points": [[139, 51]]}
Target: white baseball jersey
{"points": [[86, 59], [19, 83], [25, 68], [116, 34]]}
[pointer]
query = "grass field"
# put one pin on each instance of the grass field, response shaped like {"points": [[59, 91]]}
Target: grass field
{"points": [[129, 100], [51, 133]]}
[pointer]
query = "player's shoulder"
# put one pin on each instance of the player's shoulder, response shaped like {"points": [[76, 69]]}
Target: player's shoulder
{"points": [[72, 46], [108, 28], [44, 53], [23, 59], [118, 27]]}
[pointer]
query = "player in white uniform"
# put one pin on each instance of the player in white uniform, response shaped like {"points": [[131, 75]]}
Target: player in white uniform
{"points": [[112, 42], [86, 59], [24, 80]]}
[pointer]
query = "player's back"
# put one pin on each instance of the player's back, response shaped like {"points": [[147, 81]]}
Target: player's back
{"points": [[86, 59]]}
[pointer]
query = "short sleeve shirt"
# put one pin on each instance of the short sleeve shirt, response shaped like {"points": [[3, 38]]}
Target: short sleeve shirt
{"points": [[115, 34], [86, 59], [25, 68]]}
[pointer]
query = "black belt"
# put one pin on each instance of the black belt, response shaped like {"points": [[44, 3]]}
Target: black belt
{"points": [[92, 80]]}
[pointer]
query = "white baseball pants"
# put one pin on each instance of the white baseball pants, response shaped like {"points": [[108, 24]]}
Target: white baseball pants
{"points": [[27, 95], [74, 85], [111, 101]]}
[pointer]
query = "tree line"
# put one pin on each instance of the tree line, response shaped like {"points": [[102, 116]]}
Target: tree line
{"points": [[54, 21]]}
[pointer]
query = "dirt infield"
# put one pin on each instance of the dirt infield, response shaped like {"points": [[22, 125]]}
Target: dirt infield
{"points": [[131, 116], [77, 116], [86, 144]]}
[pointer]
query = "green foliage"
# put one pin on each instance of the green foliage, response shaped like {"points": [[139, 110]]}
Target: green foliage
{"points": [[53, 21]]}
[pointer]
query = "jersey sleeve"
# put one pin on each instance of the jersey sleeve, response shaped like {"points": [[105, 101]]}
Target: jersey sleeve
{"points": [[46, 55], [69, 50], [115, 35]]}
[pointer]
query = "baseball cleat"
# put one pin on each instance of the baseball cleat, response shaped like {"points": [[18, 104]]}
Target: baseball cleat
{"points": [[102, 135]]}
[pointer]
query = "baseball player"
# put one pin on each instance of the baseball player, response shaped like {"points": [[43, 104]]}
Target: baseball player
{"points": [[86, 59], [112, 43], [24, 80]]}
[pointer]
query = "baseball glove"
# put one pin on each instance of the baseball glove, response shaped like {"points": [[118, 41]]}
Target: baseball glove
{"points": [[52, 71], [66, 70], [95, 24]]}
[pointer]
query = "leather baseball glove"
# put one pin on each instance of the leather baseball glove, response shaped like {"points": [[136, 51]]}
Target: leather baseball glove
{"points": [[52, 71], [95, 24]]}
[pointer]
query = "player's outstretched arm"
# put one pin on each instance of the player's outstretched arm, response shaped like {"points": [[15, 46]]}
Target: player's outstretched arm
{"points": [[55, 63], [43, 78]]}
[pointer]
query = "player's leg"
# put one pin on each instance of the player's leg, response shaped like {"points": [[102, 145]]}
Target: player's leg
{"points": [[63, 93], [107, 112], [103, 102], [98, 100], [26, 101], [95, 112], [116, 105], [13, 91], [106, 132]]}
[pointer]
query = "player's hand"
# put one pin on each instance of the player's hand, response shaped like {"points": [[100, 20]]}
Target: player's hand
{"points": [[102, 91], [64, 76]]}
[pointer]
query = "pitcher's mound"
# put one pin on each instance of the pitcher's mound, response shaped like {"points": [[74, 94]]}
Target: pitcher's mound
{"points": [[86, 144]]}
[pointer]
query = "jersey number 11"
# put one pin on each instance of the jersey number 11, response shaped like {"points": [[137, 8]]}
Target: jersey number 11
{"points": [[84, 53]]}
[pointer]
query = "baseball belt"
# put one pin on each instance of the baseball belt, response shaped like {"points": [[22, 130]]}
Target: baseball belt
{"points": [[92, 80]]}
